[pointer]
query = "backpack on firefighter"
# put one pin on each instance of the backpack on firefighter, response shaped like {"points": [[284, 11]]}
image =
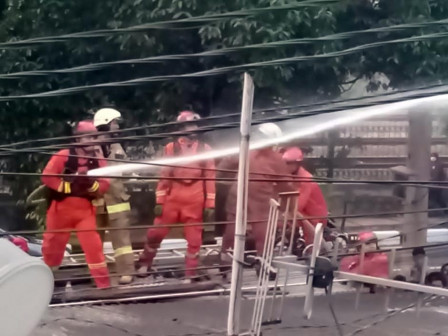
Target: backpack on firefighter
{"points": [[43, 194]]}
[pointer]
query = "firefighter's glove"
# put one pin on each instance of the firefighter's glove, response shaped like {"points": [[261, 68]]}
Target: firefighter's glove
{"points": [[158, 210], [208, 215]]}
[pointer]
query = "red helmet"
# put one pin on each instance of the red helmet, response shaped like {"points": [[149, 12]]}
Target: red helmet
{"points": [[85, 126], [367, 236], [188, 116], [293, 154]]}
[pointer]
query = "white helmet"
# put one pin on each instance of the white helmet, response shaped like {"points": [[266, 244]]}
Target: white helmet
{"points": [[270, 130], [104, 116]]}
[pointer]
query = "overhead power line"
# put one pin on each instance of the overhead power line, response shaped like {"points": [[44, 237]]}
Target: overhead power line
{"points": [[224, 51], [259, 221], [223, 70], [328, 107], [337, 106], [170, 24]]}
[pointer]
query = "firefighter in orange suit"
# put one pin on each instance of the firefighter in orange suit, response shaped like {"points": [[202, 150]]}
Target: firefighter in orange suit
{"points": [[311, 201], [184, 201], [70, 204]]}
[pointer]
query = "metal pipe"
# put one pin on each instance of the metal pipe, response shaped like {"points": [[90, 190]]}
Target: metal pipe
{"points": [[422, 282], [233, 321], [346, 276], [255, 314], [160, 296], [285, 223], [308, 306], [389, 292], [163, 249], [267, 261], [393, 283], [282, 301], [361, 269], [294, 223], [335, 252]]}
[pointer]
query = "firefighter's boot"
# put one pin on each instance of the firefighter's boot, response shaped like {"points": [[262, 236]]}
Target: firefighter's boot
{"points": [[126, 280]]}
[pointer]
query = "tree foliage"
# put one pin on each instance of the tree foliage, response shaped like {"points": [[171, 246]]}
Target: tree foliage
{"points": [[404, 64]]}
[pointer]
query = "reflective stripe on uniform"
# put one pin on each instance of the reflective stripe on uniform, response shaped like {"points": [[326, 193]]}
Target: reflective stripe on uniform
{"points": [[120, 207], [61, 187], [64, 187], [97, 266], [123, 250], [211, 196], [161, 193], [94, 187]]}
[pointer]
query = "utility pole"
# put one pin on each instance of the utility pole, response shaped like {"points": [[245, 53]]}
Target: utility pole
{"points": [[419, 154], [233, 322]]}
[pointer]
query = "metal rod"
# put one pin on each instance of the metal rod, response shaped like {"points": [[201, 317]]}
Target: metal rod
{"points": [[266, 259], [233, 322], [335, 252], [282, 301], [422, 282], [393, 283], [260, 277], [274, 297], [286, 262], [285, 223], [294, 223], [267, 262], [361, 270], [389, 291], [160, 296], [308, 307], [281, 252]]}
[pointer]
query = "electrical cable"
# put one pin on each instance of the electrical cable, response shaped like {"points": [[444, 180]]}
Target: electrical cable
{"points": [[149, 273], [164, 24], [227, 50], [378, 214], [272, 178], [424, 92], [256, 111], [293, 177], [222, 70]]}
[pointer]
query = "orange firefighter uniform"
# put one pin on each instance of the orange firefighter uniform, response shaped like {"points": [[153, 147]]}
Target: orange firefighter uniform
{"points": [[71, 208], [182, 201], [311, 201], [261, 161]]}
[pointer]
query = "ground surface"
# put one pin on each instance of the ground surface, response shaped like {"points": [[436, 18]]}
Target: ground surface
{"points": [[207, 316]]}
